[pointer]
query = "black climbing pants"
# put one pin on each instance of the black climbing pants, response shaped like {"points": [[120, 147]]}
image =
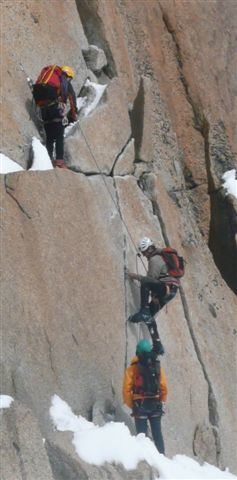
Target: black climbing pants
{"points": [[155, 423], [149, 410], [152, 327], [55, 135], [160, 291]]}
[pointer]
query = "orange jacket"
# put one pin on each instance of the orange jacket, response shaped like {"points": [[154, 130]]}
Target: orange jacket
{"points": [[129, 377]]}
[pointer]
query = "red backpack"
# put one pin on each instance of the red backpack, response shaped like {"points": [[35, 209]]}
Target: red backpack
{"points": [[47, 87], [174, 262]]}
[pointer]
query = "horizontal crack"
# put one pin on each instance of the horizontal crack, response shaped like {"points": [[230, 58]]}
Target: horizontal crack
{"points": [[89, 173]]}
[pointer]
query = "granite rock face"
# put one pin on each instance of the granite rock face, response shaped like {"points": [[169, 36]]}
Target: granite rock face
{"points": [[86, 147], [23, 451], [95, 58], [162, 137]]}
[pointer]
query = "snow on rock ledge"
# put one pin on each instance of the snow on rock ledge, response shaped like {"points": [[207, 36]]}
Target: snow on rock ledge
{"points": [[5, 401], [8, 166]]}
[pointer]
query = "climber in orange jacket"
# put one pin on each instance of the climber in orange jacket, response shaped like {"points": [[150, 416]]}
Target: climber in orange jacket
{"points": [[147, 401]]}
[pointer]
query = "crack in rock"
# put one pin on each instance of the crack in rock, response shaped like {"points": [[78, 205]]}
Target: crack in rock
{"points": [[125, 269], [50, 352], [8, 191], [119, 155], [212, 403], [125, 300]]}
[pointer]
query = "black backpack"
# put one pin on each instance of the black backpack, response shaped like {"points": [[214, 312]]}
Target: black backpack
{"points": [[147, 380]]}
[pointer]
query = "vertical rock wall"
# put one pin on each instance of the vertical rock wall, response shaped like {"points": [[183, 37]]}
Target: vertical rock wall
{"points": [[149, 161]]}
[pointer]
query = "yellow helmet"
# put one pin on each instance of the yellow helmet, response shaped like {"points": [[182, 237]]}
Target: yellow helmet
{"points": [[68, 70]]}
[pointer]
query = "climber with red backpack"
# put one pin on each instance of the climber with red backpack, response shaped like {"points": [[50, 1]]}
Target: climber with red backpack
{"points": [[165, 268], [51, 91]]}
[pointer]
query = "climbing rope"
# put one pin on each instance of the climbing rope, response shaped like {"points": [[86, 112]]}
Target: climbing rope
{"points": [[114, 202], [30, 84], [125, 247]]}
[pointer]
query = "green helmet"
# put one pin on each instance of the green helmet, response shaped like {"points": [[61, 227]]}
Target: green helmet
{"points": [[143, 346]]}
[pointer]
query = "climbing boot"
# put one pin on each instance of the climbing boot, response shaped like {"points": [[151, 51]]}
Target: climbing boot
{"points": [[142, 316], [158, 347], [59, 163]]}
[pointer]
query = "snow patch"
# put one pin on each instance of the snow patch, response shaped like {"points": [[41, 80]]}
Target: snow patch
{"points": [[5, 401], [41, 159], [114, 443], [8, 166], [70, 128], [84, 103], [98, 91], [81, 102], [230, 182]]}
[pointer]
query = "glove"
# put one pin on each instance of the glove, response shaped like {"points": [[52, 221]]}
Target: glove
{"points": [[163, 408], [134, 276]]}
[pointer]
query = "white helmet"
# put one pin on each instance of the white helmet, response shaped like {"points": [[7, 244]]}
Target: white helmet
{"points": [[144, 244]]}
